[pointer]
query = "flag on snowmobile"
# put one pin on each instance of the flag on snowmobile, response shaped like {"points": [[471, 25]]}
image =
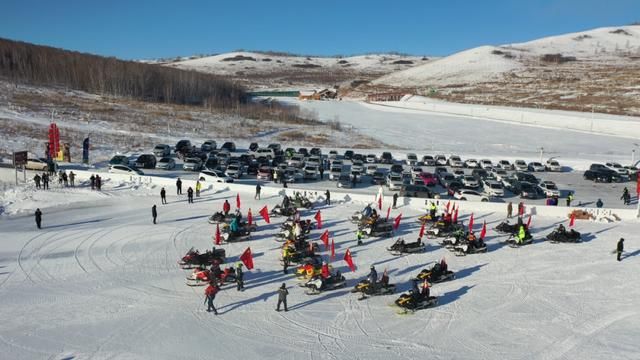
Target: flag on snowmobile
{"points": [[264, 212], [455, 215], [471, 223], [388, 211], [238, 200], [249, 218], [218, 237], [333, 248], [421, 230], [396, 222], [483, 232], [529, 222], [325, 239], [447, 207], [572, 220], [379, 202], [247, 258], [349, 260]]}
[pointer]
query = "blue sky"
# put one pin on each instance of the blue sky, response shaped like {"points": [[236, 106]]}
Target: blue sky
{"points": [[151, 29]]}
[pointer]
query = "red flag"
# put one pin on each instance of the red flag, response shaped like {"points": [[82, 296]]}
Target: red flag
{"points": [[448, 203], [265, 214], [379, 202], [325, 239], [638, 183], [572, 220], [483, 232], [333, 248], [455, 215], [421, 230], [396, 222], [247, 258], [529, 222], [238, 200], [217, 238], [325, 270], [318, 218], [249, 217], [388, 211], [349, 260], [471, 223]]}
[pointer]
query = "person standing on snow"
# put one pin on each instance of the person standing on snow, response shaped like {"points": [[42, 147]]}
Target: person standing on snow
{"points": [[226, 207], [38, 218], [154, 213], [190, 195], [327, 197], [599, 203], [509, 210], [626, 198], [45, 181], [569, 198], [198, 188], [620, 249], [179, 186], [93, 181], [72, 178], [36, 179], [282, 297], [239, 277], [258, 189], [395, 200], [163, 196], [210, 295], [359, 236]]}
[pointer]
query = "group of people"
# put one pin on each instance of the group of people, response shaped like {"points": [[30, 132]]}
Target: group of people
{"points": [[64, 179]]}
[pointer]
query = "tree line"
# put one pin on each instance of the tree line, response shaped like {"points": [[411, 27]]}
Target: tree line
{"points": [[22, 62]]}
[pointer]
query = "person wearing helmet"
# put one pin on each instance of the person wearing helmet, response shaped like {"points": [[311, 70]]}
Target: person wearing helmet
{"points": [[325, 270], [373, 276]]}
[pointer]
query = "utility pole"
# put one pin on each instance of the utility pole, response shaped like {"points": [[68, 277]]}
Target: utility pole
{"points": [[541, 152]]}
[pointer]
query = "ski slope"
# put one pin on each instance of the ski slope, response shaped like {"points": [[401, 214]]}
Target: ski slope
{"points": [[101, 281]]}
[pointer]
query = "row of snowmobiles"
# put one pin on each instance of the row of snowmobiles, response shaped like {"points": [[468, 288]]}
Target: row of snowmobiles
{"points": [[243, 232], [201, 275], [558, 235], [371, 224]]}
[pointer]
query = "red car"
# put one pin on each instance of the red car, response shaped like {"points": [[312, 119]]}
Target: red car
{"points": [[429, 179], [264, 173]]}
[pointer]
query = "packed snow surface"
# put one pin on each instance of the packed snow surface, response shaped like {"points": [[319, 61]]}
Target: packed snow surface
{"points": [[101, 281]]}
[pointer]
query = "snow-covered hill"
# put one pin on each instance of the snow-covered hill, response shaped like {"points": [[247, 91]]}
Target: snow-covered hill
{"points": [[487, 63]]}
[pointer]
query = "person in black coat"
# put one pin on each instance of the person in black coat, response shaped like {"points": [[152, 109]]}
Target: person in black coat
{"points": [[93, 181], [190, 195], [154, 213], [36, 179], [282, 297], [258, 189], [620, 248], [179, 186], [163, 196], [395, 200], [239, 277], [38, 218], [45, 181], [327, 195]]}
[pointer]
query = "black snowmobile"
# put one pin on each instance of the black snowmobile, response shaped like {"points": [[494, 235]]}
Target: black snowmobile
{"points": [[561, 235], [470, 247], [193, 258], [364, 287], [377, 228], [506, 228], [301, 202], [443, 230], [299, 256], [319, 284], [514, 242], [413, 301], [435, 275], [220, 218], [400, 247], [279, 210], [457, 237]]}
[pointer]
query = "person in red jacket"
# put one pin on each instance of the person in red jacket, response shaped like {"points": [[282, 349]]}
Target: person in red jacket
{"points": [[325, 270], [226, 207], [210, 293]]}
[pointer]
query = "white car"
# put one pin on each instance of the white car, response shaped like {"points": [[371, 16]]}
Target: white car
{"points": [[617, 168], [416, 171], [234, 170], [486, 164], [499, 174], [520, 165], [266, 152], [371, 158], [293, 175], [493, 188], [394, 182], [441, 160], [357, 166], [211, 176], [471, 163], [123, 169], [296, 161], [470, 182], [335, 172], [535, 166], [371, 169], [470, 195], [311, 172], [553, 165], [35, 164], [504, 165], [333, 154], [412, 159], [166, 163], [313, 161], [192, 164], [455, 161], [428, 160], [549, 188]]}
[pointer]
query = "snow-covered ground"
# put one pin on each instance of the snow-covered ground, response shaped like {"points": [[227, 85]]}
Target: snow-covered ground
{"points": [[101, 281]]}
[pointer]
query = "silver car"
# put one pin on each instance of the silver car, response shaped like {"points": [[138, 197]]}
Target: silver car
{"points": [[166, 163], [192, 164]]}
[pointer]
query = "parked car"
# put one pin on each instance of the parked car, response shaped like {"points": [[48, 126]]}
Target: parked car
{"points": [[116, 160], [266, 152], [412, 159], [371, 158], [486, 164], [520, 165], [416, 171], [252, 168], [123, 169], [535, 166], [439, 169], [553, 165], [229, 146], [40, 164], [470, 195], [264, 173], [234, 170], [315, 151], [455, 161], [446, 178], [344, 181], [208, 145], [624, 173], [214, 176], [192, 164], [470, 181], [371, 169], [441, 160], [549, 188], [335, 173], [296, 161], [146, 161], [348, 154], [211, 163], [303, 151], [530, 190], [429, 179], [313, 161], [183, 146], [253, 146], [602, 175], [333, 154], [311, 172], [166, 163], [394, 181], [418, 191], [378, 178], [428, 160], [162, 150], [504, 165], [471, 163], [480, 174], [276, 147], [493, 188], [386, 158], [358, 157], [396, 168], [523, 176], [499, 173]]}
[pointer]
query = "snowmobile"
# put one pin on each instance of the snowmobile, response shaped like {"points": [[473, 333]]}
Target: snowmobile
{"points": [[195, 258], [413, 301], [243, 226], [435, 274], [442, 229], [457, 237], [299, 256], [301, 202], [236, 236], [219, 218], [426, 218], [318, 284], [201, 276], [364, 287], [400, 247], [279, 210], [514, 243], [506, 228], [379, 228], [561, 235], [309, 268], [468, 247], [359, 218]]}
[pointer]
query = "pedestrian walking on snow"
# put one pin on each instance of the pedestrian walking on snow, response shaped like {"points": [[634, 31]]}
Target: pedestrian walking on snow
{"points": [[45, 181], [198, 188], [93, 181], [510, 210], [36, 179], [620, 248], [98, 182], [569, 199], [179, 186], [258, 189], [39, 218], [210, 295], [154, 213], [282, 297], [239, 277], [72, 179], [327, 197], [395, 200], [321, 172], [599, 203], [163, 196], [190, 195]]}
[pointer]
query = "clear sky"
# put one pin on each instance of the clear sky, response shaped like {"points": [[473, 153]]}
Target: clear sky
{"points": [[161, 28]]}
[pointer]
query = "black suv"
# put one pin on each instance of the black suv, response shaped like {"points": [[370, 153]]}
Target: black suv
{"points": [[348, 154], [386, 158], [253, 146], [229, 145], [146, 161], [602, 175], [183, 146]]}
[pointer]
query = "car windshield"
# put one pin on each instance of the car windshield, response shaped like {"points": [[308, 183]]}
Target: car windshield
{"points": [[395, 178], [495, 186], [165, 160]]}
